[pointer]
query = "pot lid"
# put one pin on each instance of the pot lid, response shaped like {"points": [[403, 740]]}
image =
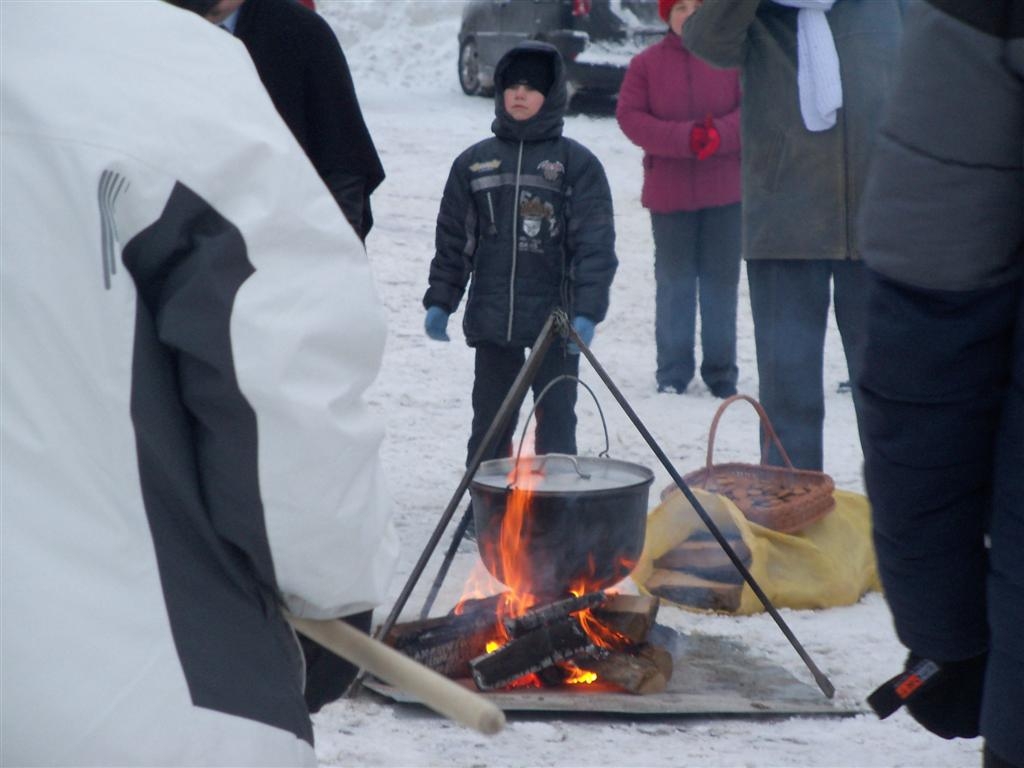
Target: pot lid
{"points": [[560, 473]]}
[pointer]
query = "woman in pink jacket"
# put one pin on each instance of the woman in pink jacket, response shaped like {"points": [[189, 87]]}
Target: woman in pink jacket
{"points": [[685, 115]]}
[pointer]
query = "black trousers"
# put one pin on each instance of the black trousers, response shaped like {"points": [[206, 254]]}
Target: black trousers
{"points": [[328, 676], [942, 413], [496, 369]]}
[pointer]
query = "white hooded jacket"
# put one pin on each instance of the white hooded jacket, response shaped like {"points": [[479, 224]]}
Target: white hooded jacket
{"points": [[189, 324]]}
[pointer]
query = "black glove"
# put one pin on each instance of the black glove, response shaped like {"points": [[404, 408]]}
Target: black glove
{"points": [[943, 697]]}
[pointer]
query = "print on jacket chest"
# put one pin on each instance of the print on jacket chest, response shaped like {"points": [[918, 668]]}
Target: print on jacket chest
{"points": [[535, 216]]}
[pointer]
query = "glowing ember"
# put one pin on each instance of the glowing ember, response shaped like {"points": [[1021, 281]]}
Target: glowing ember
{"points": [[579, 676]]}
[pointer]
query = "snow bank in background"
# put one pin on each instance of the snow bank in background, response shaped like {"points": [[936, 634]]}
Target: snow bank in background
{"points": [[408, 44]]}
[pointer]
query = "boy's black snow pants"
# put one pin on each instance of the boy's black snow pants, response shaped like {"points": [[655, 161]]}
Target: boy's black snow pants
{"points": [[496, 369]]}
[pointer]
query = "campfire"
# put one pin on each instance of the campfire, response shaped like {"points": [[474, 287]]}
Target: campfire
{"points": [[556, 625], [569, 544]]}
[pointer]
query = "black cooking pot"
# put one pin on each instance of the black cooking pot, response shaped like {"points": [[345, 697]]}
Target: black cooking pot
{"points": [[585, 521]]}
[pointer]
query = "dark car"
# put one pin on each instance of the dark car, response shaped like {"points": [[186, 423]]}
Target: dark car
{"points": [[596, 38]]}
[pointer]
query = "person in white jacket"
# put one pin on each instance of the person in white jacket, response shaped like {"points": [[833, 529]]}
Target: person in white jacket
{"points": [[189, 327]]}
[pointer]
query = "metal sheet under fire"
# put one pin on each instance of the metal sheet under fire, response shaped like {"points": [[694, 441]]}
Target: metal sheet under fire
{"points": [[712, 676]]}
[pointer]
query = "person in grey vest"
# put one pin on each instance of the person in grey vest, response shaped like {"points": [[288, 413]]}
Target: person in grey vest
{"points": [[815, 76]]}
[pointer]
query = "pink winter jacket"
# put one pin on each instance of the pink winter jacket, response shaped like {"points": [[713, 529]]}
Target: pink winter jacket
{"points": [[666, 90]]}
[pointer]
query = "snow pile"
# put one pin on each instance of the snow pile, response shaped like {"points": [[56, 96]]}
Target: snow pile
{"points": [[404, 44]]}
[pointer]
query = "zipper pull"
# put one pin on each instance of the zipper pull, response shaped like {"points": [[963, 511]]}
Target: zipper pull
{"points": [[493, 229]]}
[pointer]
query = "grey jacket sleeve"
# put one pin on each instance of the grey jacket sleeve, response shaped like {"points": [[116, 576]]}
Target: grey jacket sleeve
{"points": [[717, 32], [944, 206]]}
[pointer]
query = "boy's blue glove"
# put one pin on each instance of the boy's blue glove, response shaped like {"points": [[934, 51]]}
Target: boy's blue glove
{"points": [[584, 327], [436, 324]]}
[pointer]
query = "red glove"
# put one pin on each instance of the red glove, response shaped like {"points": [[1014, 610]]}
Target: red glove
{"points": [[705, 139]]}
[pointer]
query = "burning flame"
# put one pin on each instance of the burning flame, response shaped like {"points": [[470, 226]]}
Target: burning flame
{"points": [[579, 676], [513, 556], [515, 532], [602, 636]]}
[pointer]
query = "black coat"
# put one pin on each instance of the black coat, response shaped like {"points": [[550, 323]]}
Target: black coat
{"points": [[302, 66], [527, 214], [941, 390]]}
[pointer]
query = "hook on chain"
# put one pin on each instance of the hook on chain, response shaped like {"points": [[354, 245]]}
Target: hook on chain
{"points": [[561, 320]]}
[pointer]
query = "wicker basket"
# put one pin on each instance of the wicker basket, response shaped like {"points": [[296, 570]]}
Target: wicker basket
{"points": [[782, 498]]}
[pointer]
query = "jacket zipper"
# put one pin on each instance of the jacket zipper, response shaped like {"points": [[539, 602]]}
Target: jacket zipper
{"points": [[515, 246], [490, 207]]}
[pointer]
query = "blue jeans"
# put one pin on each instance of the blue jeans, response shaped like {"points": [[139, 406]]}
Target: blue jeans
{"points": [[789, 300], [696, 251]]}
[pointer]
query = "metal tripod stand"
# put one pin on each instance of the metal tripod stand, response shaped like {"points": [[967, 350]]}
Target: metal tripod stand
{"points": [[558, 325]]}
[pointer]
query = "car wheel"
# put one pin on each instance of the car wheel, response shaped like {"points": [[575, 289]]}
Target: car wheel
{"points": [[469, 69]]}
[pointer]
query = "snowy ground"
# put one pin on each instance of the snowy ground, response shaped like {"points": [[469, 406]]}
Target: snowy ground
{"points": [[403, 58]]}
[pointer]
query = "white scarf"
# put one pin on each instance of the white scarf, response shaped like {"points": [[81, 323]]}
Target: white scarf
{"points": [[821, 90]]}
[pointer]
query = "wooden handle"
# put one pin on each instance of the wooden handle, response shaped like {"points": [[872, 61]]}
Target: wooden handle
{"points": [[442, 695]]}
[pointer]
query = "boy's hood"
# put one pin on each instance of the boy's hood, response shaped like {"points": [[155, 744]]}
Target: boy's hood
{"points": [[547, 123]]}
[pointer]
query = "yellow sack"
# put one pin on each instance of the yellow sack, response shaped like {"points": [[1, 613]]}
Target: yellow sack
{"points": [[830, 562]]}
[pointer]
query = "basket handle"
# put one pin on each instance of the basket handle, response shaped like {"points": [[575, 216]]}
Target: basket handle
{"points": [[769, 431]]}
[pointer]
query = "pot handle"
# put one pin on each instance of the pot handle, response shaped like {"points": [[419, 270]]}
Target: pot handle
{"points": [[536, 402], [542, 463]]}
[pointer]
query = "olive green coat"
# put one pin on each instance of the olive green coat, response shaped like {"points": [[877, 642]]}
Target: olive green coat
{"points": [[801, 189]]}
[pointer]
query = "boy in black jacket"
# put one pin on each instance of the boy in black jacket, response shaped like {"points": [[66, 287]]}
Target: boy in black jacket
{"points": [[527, 214]]}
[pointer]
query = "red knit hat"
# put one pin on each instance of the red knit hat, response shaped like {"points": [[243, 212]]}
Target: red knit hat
{"points": [[665, 8]]}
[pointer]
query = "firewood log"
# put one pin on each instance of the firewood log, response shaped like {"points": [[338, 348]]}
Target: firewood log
{"points": [[632, 673], [630, 616], [550, 613], [659, 656], [687, 589], [447, 643], [533, 652], [706, 559]]}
